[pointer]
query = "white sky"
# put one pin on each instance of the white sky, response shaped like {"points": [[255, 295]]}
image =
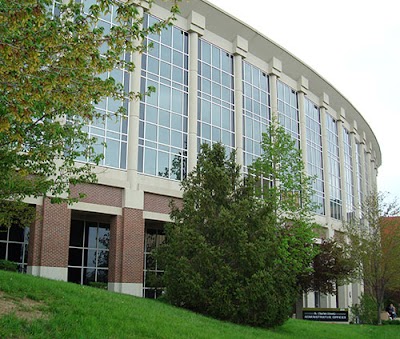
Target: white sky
{"points": [[353, 44]]}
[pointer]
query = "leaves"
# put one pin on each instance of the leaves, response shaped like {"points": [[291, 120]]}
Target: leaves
{"points": [[53, 71], [234, 251], [374, 242]]}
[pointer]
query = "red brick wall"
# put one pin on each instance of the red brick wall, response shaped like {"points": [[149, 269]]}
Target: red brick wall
{"points": [[35, 239], [51, 239], [159, 203], [99, 194], [126, 247], [115, 255]]}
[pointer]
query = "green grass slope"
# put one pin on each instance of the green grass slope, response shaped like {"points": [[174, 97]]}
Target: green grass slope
{"points": [[32, 307]]}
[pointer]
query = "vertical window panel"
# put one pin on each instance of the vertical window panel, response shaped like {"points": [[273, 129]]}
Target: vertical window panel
{"points": [[334, 168], [215, 96], [288, 111], [315, 166], [165, 110], [348, 177], [256, 111], [88, 252]]}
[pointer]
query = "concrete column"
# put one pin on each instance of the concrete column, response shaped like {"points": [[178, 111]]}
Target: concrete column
{"points": [[374, 173], [132, 197], [197, 24], [275, 70], [324, 103], [302, 87], [240, 52]]}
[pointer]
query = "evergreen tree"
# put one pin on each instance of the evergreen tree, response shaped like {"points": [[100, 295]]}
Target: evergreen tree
{"points": [[231, 251]]}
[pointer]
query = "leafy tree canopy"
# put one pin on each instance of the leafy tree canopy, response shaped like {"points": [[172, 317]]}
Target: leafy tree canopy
{"points": [[332, 267], [53, 71], [374, 244]]}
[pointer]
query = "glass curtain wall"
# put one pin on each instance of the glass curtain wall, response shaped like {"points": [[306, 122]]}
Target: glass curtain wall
{"points": [[163, 121], [88, 252], [111, 128], [154, 237], [315, 166], [359, 175], [14, 245], [288, 111], [334, 168], [216, 118], [366, 173], [348, 167], [256, 111]]}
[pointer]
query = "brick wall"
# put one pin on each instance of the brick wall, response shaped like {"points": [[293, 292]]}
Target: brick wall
{"points": [[51, 236], [99, 194], [115, 255], [126, 247], [35, 239], [159, 203]]}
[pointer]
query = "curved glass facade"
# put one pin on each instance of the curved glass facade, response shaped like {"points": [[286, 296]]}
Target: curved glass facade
{"points": [[216, 80], [336, 155]]}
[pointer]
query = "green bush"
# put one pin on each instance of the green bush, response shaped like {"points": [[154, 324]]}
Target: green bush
{"points": [[365, 312], [97, 284], [7, 265], [390, 322], [229, 254]]}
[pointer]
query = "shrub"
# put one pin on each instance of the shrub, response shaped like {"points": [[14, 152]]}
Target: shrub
{"points": [[7, 265], [365, 312], [390, 322], [97, 284]]}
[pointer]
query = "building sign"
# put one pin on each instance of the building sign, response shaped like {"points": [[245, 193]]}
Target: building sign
{"points": [[326, 314]]}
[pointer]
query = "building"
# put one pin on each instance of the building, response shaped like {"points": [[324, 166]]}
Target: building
{"points": [[217, 79]]}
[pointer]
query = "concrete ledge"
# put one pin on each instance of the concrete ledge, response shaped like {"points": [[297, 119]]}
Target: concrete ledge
{"points": [[135, 289], [55, 273]]}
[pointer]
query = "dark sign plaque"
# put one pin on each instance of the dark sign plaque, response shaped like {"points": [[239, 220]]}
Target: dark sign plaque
{"points": [[326, 314]]}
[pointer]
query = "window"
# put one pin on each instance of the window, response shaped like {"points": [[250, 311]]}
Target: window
{"points": [[154, 237], [360, 178], [348, 167], [111, 129], [288, 111], [14, 245], [367, 173], [216, 115], [314, 153], [334, 168], [256, 111], [163, 126], [88, 252]]}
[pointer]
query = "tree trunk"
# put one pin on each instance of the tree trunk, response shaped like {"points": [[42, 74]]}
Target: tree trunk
{"points": [[379, 313]]}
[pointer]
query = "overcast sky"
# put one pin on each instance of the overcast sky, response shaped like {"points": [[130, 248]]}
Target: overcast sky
{"points": [[354, 45]]}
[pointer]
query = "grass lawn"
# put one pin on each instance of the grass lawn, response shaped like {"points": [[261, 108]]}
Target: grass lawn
{"points": [[39, 308]]}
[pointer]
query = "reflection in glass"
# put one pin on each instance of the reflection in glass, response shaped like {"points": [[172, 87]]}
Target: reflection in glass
{"points": [[161, 127], [14, 245], [256, 111], [152, 272], [89, 254]]}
